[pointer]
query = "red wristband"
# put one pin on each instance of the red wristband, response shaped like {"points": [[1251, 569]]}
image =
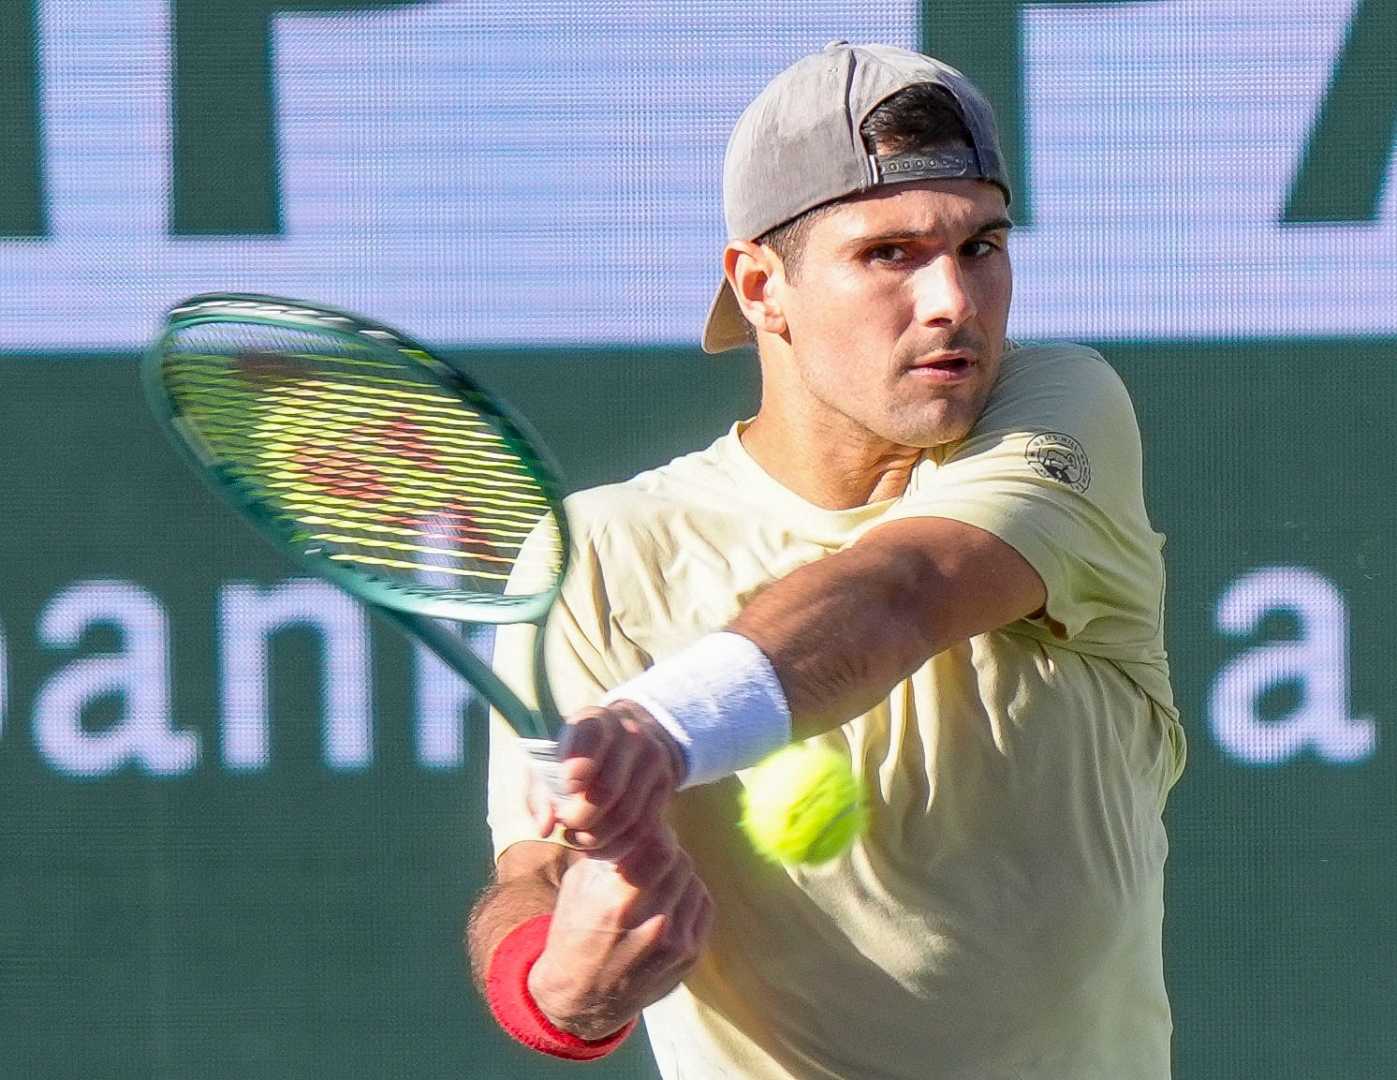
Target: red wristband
{"points": [[507, 992]]}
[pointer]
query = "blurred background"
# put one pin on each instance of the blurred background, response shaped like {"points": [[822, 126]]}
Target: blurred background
{"points": [[241, 822]]}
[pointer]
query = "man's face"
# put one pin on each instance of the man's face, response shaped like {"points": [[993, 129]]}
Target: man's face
{"points": [[896, 318]]}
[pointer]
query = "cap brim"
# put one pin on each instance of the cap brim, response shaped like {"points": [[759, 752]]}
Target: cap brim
{"points": [[726, 328]]}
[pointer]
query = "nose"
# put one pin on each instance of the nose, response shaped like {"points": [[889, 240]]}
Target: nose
{"points": [[943, 297]]}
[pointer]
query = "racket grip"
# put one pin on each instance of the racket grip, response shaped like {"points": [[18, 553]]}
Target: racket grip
{"points": [[543, 755]]}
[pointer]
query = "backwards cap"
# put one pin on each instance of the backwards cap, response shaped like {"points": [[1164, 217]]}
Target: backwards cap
{"points": [[797, 146]]}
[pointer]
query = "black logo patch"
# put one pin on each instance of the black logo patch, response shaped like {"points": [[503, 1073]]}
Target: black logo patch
{"points": [[1059, 457]]}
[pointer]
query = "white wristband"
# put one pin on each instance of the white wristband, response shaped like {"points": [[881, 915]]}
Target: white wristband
{"points": [[721, 701]]}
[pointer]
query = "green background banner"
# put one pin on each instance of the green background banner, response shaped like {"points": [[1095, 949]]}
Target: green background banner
{"points": [[241, 822], [303, 919]]}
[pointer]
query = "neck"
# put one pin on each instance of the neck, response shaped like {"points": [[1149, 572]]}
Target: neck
{"points": [[827, 464]]}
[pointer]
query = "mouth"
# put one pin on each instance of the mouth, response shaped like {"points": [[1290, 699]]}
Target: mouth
{"points": [[943, 367]]}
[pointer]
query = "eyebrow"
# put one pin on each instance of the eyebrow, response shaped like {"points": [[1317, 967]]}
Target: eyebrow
{"points": [[993, 225]]}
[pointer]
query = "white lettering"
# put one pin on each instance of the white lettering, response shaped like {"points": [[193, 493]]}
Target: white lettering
{"points": [[1317, 660], [443, 698], [443, 704], [1095, 245], [248, 615], [138, 675]]}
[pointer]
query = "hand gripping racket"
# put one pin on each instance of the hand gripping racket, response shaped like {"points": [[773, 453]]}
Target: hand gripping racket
{"points": [[376, 466]]}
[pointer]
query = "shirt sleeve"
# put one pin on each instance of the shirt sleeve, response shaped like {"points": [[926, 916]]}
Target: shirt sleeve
{"points": [[1053, 468]]}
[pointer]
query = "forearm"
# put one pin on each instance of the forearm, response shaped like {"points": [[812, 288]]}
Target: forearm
{"points": [[506, 904], [842, 631], [815, 649]]}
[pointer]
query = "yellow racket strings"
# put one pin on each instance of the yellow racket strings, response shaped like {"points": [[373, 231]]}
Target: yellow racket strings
{"points": [[376, 465]]}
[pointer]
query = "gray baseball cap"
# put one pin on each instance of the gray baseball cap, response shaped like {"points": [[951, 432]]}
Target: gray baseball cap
{"points": [[797, 146]]}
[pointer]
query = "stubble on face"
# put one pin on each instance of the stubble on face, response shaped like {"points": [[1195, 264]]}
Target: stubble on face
{"points": [[916, 415], [896, 326]]}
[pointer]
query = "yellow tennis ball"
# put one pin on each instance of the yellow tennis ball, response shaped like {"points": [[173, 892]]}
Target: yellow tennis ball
{"points": [[803, 804]]}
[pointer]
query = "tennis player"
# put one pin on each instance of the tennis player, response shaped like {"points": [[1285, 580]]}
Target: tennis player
{"points": [[930, 550]]}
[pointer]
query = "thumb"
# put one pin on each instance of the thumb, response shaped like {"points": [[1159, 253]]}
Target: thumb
{"points": [[539, 799]]}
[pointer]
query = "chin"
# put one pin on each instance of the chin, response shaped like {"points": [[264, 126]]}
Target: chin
{"points": [[928, 433]]}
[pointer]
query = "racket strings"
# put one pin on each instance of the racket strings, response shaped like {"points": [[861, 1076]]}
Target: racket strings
{"points": [[443, 524], [331, 424], [312, 390], [371, 463]]}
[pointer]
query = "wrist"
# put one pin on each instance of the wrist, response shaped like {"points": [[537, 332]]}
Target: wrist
{"points": [[508, 992], [566, 1014], [719, 700]]}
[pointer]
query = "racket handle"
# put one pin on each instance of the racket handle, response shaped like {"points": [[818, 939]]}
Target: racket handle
{"points": [[543, 755]]}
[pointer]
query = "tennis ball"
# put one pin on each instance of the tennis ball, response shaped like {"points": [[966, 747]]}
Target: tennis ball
{"points": [[802, 804]]}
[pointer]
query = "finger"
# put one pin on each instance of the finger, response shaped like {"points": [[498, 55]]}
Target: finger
{"points": [[583, 742], [645, 820], [657, 963], [644, 789], [648, 933], [539, 800], [651, 788], [667, 953], [663, 895], [545, 821], [600, 806], [693, 917], [647, 860], [582, 732]]}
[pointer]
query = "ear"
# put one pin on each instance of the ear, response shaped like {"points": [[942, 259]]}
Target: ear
{"points": [[756, 277]]}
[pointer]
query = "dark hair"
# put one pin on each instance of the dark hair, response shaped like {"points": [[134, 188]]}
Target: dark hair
{"points": [[919, 119]]}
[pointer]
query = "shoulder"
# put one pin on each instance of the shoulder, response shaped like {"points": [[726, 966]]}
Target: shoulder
{"points": [[1057, 367], [1059, 385], [1057, 412], [1040, 365], [687, 478], [649, 504]]}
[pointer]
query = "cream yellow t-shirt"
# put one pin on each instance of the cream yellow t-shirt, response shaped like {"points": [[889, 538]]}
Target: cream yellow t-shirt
{"points": [[1001, 917]]}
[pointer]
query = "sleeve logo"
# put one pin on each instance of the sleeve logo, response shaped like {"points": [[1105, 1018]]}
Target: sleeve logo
{"points": [[1059, 457]]}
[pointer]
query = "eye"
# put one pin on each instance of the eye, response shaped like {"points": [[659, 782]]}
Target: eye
{"points": [[981, 248], [886, 253]]}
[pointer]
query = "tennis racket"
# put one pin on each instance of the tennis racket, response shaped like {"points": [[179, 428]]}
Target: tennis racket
{"points": [[374, 465]]}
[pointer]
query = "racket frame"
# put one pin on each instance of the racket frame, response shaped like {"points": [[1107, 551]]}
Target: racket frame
{"points": [[417, 610]]}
